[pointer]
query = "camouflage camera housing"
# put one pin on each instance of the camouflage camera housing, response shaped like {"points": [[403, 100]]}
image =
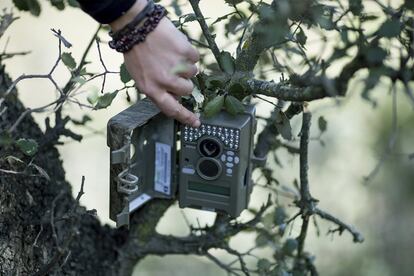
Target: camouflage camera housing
{"points": [[215, 163], [211, 166]]}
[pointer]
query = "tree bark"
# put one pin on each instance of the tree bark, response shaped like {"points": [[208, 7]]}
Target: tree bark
{"points": [[73, 242]]}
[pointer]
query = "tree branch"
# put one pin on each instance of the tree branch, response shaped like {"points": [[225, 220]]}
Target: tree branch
{"points": [[357, 237], [210, 39]]}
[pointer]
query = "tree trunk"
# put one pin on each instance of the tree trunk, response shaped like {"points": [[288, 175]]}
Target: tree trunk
{"points": [[43, 230]]}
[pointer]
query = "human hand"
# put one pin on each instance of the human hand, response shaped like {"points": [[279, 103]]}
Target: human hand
{"points": [[151, 64]]}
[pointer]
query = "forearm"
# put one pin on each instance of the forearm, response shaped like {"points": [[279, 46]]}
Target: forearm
{"points": [[108, 11]]}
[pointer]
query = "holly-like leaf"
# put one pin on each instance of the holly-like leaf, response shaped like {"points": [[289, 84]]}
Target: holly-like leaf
{"points": [[263, 264], [390, 28], [27, 146], [34, 7], [322, 123], [375, 55], [283, 125], [21, 5], [227, 62], [280, 215], [69, 61], [233, 105], [5, 139], [73, 3], [214, 106], [261, 240], [301, 37], [124, 74], [79, 80], [59, 4], [236, 88], [105, 100], [213, 82], [190, 18], [279, 271], [290, 246], [355, 6], [93, 97]]}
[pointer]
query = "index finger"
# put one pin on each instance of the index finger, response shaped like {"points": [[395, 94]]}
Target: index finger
{"points": [[169, 105]]}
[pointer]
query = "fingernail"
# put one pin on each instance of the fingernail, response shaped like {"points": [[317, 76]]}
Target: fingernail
{"points": [[197, 123]]}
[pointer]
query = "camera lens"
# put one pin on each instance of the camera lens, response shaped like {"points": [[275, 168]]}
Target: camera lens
{"points": [[208, 168], [209, 147]]}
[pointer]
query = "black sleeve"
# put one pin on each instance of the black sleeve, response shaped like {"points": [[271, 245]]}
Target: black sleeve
{"points": [[106, 11]]}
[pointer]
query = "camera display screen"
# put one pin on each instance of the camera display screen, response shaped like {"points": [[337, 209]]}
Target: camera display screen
{"points": [[208, 188]]}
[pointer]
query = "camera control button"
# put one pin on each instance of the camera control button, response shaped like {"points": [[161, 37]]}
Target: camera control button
{"points": [[223, 158], [229, 171], [188, 170], [229, 165], [236, 160], [230, 153], [229, 159]]}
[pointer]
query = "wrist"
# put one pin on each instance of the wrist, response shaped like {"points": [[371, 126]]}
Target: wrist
{"points": [[127, 17]]}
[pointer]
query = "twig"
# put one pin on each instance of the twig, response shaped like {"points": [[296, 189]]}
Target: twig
{"points": [[221, 264], [357, 237], [306, 202], [210, 39], [391, 140]]}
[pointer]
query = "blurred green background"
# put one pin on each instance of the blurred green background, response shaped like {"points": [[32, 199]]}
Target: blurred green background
{"points": [[382, 209]]}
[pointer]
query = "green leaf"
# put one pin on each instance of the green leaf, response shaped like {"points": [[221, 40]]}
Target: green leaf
{"points": [[213, 82], [59, 4], [233, 24], [409, 4], [390, 28], [124, 74], [105, 100], [233, 105], [355, 6], [5, 139], [34, 7], [283, 125], [27, 146], [93, 97], [69, 61], [214, 106], [280, 216], [263, 264], [278, 271], [79, 80], [375, 55], [301, 37], [73, 3], [227, 62], [21, 5], [261, 240], [290, 246], [236, 89], [190, 18], [322, 123]]}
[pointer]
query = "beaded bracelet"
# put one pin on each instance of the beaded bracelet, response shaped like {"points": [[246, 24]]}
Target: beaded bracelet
{"points": [[148, 9], [137, 30]]}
